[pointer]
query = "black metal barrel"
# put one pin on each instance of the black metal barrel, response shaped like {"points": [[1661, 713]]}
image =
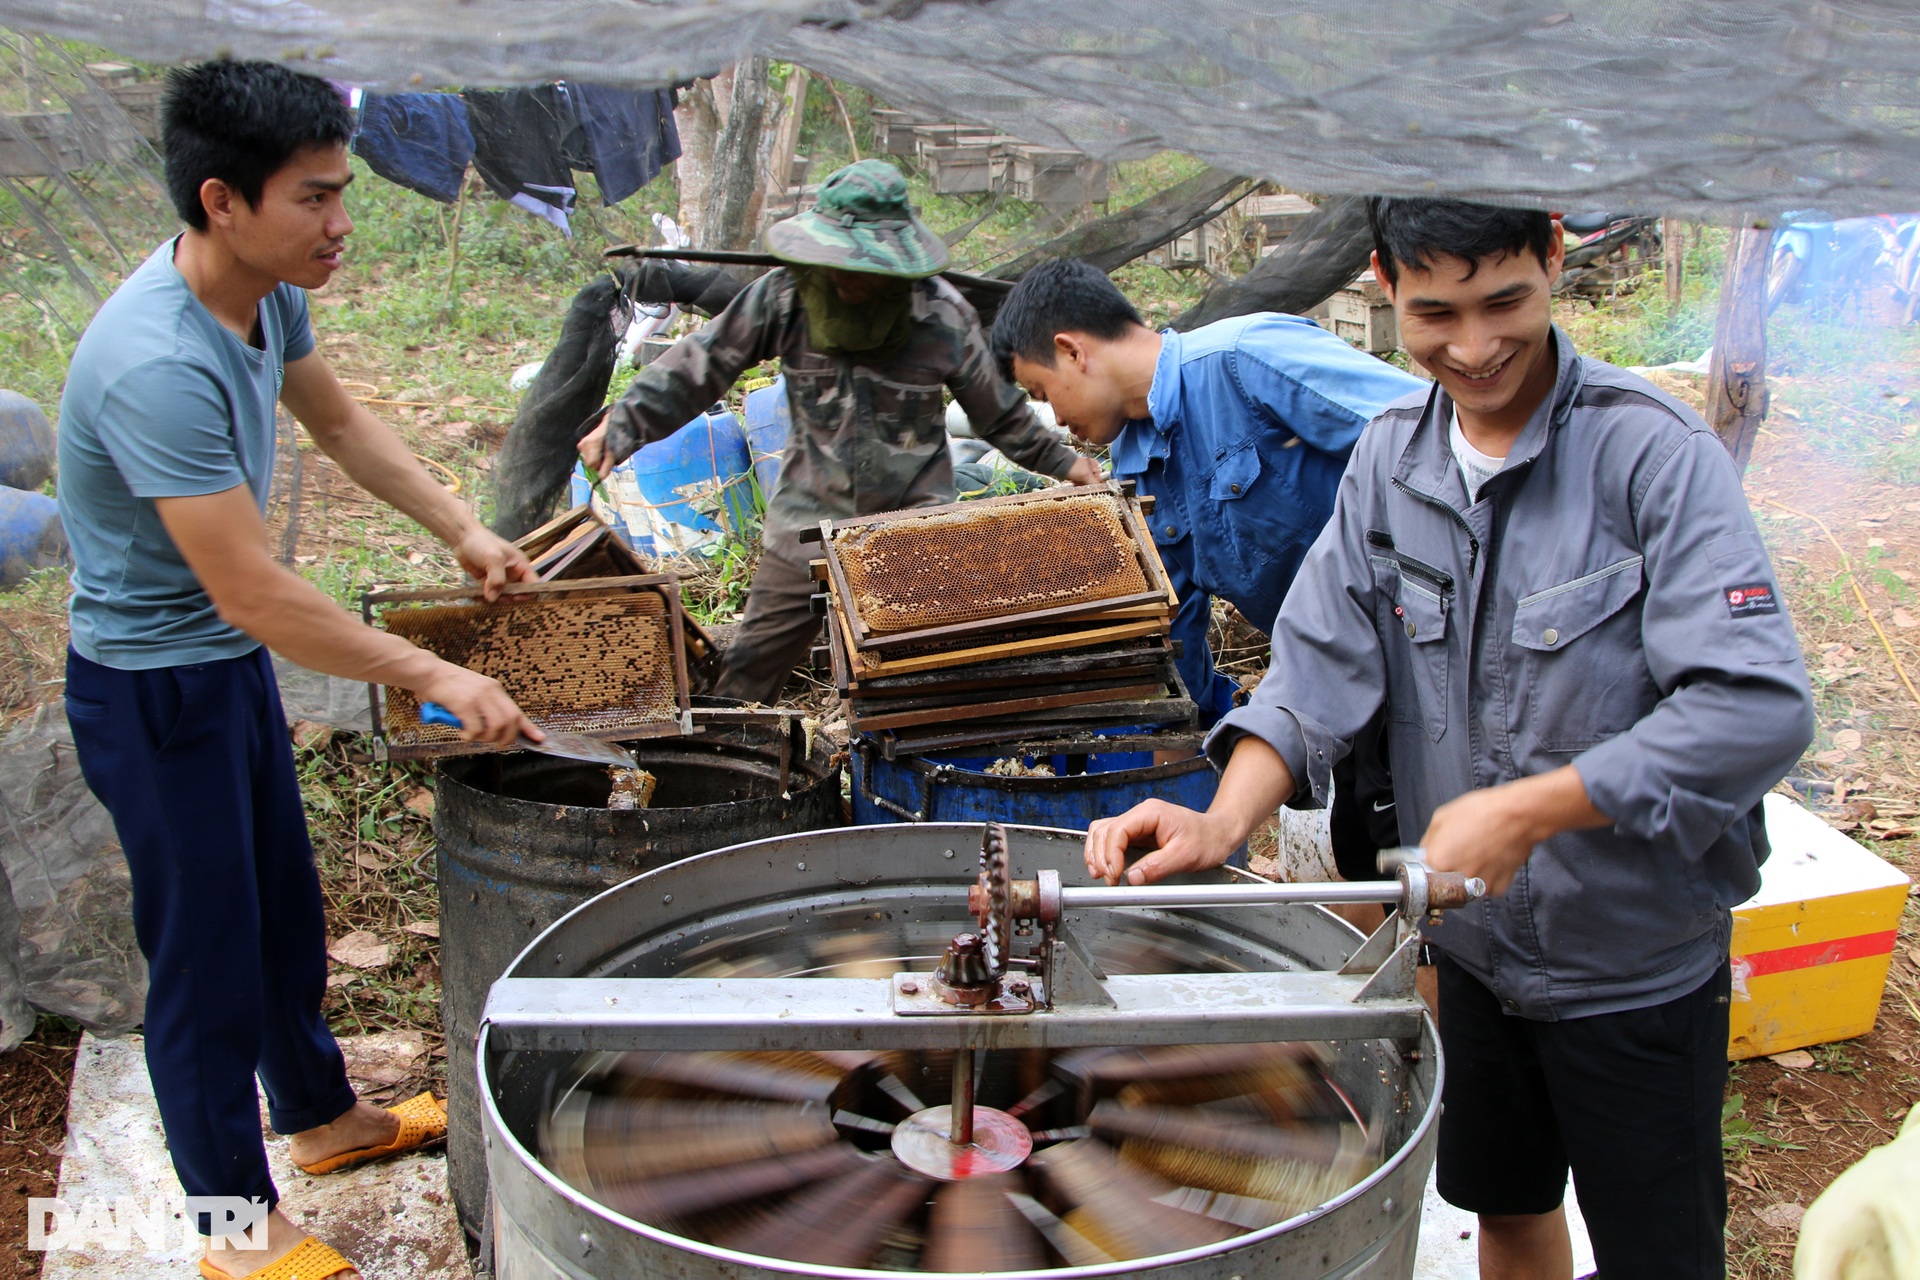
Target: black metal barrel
{"points": [[523, 839]]}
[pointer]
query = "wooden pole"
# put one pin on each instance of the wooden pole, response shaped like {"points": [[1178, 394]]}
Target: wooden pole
{"points": [[1673, 256], [1737, 374]]}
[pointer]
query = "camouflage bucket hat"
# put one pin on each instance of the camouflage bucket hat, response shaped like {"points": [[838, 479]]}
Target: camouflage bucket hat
{"points": [[862, 222]]}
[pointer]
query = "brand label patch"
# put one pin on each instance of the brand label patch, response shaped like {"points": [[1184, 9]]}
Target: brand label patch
{"points": [[1746, 601]]}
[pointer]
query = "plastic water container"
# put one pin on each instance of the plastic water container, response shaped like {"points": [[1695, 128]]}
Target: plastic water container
{"points": [[26, 443], [768, 422], [31, 535], [654, 491]]}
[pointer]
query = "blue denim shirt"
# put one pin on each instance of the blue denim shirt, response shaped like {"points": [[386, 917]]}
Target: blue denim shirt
{"points": [[1252, 421]]}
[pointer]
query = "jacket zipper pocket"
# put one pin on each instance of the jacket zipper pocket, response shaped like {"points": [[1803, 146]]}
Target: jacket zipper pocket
{"points": [[1382, 543]]}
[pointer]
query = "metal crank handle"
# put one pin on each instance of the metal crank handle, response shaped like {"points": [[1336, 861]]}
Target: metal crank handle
{"points": [[1417, 892]]}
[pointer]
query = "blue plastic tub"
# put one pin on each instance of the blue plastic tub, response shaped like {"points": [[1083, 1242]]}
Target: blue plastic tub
{"points": [[31, 535], [768, 422]]}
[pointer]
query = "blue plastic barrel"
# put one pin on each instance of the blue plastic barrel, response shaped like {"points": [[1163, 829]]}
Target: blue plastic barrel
{"points": [[711, 447], [26, 443], [768, 422], [31, 536], [957, 788]]}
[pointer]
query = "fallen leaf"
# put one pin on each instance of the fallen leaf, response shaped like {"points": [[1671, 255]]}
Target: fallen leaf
{"points": [[1782, 1217], [456, 429], [361, 950], [1876, 542], [307, 734], [341, 979], [425, 928], [416, 557], [1831, 757], [369, 860], [1861, 810], [1792, 1059], [420, 802], [1847, 740], [1903, 619], [1894, 833], [461, 400]]}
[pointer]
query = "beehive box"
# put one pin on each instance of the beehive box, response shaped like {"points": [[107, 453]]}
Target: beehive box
{"points": [[967, 166], [1047, 175], [1276, 215], [1812, 948], [1361, 314]]}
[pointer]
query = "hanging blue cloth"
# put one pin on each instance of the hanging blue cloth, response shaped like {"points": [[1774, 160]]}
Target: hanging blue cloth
{"points": [[419, 140], [630, 135]]}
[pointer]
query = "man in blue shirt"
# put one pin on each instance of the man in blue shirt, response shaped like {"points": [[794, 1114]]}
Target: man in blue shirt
{"points": [[166, 456], [1239, 430]]}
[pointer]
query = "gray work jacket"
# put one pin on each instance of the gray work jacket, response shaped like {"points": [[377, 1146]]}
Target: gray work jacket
{"points": [[1607, 603]]}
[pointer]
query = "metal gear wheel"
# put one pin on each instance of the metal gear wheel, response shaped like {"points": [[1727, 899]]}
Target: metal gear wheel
{"points": [[996, 883]]}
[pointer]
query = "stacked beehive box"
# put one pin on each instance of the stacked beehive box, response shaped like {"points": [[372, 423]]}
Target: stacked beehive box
{"points": [[991, 621]]}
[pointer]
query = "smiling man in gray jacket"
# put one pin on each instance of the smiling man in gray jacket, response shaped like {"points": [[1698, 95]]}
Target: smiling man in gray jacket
{"points": [[1546, 571]]}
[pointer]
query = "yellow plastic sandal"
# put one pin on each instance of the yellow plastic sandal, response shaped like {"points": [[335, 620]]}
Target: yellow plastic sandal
{"points": [[423, 1120], [309, 1260]]}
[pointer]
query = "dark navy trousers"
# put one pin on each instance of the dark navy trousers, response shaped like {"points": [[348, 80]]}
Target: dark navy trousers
{"points": [[194, 764]]}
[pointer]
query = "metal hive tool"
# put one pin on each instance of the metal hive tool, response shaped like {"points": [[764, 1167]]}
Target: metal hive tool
{"points": [[602, 657]]}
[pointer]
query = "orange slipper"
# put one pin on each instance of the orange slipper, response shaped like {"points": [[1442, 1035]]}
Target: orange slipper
{"points": [[423, 1120], [308, 1260]]}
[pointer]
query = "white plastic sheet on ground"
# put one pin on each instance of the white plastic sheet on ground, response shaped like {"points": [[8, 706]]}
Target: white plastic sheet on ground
{"points": [[74, 951]]}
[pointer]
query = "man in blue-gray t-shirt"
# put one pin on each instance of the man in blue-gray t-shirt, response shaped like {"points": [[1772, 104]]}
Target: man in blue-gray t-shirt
{"points": [[166, 455]]}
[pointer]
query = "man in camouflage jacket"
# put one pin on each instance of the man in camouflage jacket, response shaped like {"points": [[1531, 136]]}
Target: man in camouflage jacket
{"points": [[867, 334]]}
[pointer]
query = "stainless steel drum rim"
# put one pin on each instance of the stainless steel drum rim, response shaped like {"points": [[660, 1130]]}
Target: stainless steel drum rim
{"points": [[660, 917]]}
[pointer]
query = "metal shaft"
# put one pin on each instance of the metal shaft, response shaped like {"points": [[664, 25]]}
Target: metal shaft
{"points": [[1229, 895], [961, 1131]]}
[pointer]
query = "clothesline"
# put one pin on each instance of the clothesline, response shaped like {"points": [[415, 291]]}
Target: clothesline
{"points": [[526, 144]]}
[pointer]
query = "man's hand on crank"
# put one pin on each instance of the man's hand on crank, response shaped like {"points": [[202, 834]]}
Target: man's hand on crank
{"points": [[1491, 833], [1183, 840]]}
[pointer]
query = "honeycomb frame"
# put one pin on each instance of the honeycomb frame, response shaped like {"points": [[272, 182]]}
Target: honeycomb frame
{"points": [[894, 575], [604, 657]]}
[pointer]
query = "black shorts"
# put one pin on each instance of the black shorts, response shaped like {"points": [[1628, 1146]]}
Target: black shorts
{"points": [[1629, 1101]]}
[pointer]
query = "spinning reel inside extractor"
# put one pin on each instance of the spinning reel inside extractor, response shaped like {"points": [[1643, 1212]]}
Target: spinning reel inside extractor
{"points": [[1027, 1109]]}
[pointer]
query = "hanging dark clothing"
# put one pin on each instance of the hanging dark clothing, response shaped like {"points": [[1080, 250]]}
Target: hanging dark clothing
{"points": [[518, 137], [629, 133], [419, 140]]}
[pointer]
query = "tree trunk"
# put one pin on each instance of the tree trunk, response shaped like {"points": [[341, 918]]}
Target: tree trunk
{"points": [[1324, 254], [736, 189], [1737, 375], [698, 120], [1673, 256]]}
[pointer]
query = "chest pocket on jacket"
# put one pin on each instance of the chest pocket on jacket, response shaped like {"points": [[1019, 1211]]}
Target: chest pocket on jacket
{"points": [[905, 415], [1414, 628], [1585, 676], [813, 394], [1230, 555]]}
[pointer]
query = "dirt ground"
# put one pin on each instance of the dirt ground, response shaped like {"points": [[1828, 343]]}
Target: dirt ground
{"points": [[33, 1126], [1801, 1126]]}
